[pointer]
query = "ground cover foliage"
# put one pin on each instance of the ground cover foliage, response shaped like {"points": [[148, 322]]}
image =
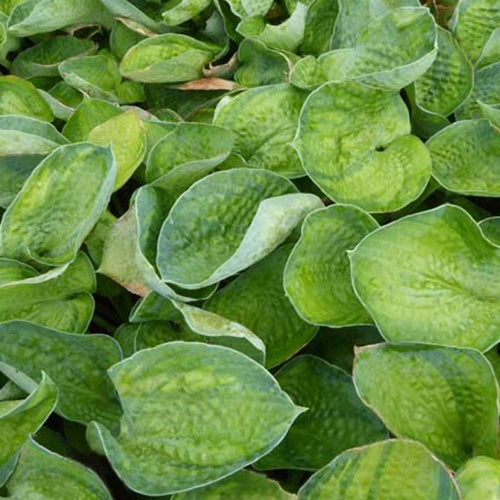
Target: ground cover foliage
{"points": [[249, 249]]}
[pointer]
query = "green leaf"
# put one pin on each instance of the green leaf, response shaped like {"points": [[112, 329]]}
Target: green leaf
{"points": [[389, 470], [465, 158], [491, 51], [168, 58], [491, 229], [336, 420], [189, 147], [431, 277], [19, 419], [286, 36], [317, 276], [320, 22], [179, 11], [209, 235], [122, 38], [131, 14], [49, 225], [127, 138], [59, 299], [378, 166], [98, 76], [19, 97], [44, 58], [473, 23], [264, 121], [257, 300], [41, 16], [448, 82], [491, 113], [76, 363], [96, 239], [444, 397], [172, 394], [44, 475], [378, 58], [245, 485], [247, 8], [479, 478]]}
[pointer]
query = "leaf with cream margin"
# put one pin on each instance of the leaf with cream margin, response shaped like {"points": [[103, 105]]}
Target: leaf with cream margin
{"points": [[431, 277], [58, 205], [479, 478], [448, 82], [444, 397], [98, 76], [354, 144], [19, 419], [317, 276], [257, 300], [44, 475], [42, 16], [466, 158], [264, 121], [212, 233], [194, 146], [391, 52], [76, 363], [179, 11], [245, 485], [181, 381], [397, 469], [168, 58], [285, 36], [127, 138], [473, 23], [44, 58], [491, 229], [336, 419], [20, 97], [60, 298]]}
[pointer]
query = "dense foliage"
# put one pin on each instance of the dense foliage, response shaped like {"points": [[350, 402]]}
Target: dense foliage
{"points": [[249, 249]]}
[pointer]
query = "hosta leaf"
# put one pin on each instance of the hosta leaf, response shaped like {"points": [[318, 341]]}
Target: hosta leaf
{"points": [[96, 239], [19, 419], [448, 82], [127, 138], [491, 113], [431, 277], [195, 147], [42, 474], [8, 43], [491, 51], [247, 8], [466, 158], [62, 99], [49, 225], [122, 38], [181, 382], [43, 59], [41, 16], [354, 144], [444, 397], [133, 13], [12, 270], [479, 478], [259, 65], [377, 59], [98, 76], [336, 420], [14, 170], [264, 121], [168, 58], [286, 36], [257, 300], [19, 97], [245, 484], [59, 299], [491, 229], [486, 90], [317, 277], [88, 115], [179, 11], [389, 470], [473, 23], [209, 235], [76, 363]]}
